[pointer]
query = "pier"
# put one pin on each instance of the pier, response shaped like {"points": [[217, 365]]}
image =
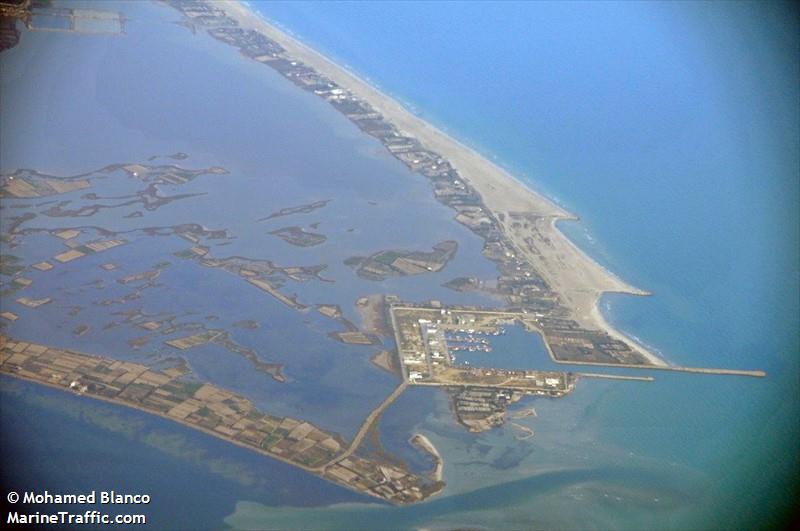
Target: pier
{"points": [[615, 376], [674, 368]]}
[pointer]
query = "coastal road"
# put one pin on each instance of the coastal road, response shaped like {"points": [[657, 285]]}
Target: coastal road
{"points": [[366, 425]]}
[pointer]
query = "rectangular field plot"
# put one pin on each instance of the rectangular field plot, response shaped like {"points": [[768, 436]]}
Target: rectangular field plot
{"points": [[91, 21]]}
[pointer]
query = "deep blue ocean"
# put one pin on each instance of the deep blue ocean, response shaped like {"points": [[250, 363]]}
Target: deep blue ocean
{"points": [[671, 129]]}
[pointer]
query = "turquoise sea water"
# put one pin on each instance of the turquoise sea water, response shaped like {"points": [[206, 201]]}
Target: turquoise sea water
{"points": [[103, 447], [671, 129]]}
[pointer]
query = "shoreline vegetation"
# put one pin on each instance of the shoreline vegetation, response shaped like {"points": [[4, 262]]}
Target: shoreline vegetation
{"points": [[525, 220]]}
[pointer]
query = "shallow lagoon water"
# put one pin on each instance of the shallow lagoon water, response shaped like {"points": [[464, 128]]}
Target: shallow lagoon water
{"points": [[106, 447], [264, 146]]}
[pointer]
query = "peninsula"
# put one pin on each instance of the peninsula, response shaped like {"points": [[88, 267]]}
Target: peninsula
{"points": [[540, 269]]}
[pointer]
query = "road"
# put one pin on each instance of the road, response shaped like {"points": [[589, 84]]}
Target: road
{"points": [[366, 425]]}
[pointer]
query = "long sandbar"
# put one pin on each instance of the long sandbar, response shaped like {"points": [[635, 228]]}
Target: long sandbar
{"points": [[578, 280]]}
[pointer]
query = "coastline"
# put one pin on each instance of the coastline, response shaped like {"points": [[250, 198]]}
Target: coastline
{"points": [[425, 444], [215, 411], [394, 110], [570, 272]]}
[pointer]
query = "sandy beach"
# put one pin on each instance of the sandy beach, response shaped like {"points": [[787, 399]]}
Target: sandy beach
{"points": [[579, 280], [425, 444]]}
